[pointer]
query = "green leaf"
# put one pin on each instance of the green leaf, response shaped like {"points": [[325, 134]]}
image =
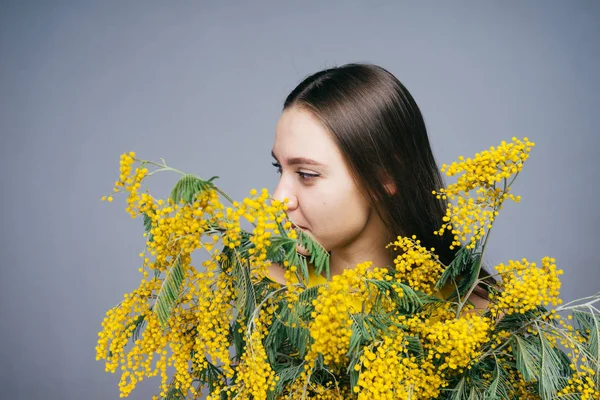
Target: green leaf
{"points": [[352, 373], [472, 274], [414, 345], [147, 226], [459, 391], [550, 369], [527, 357], [515, 321], [287, 375], [589, 328], [211, 376], [169, 292], [246, 295], [238, 338], [276, 251], [475, 394], [174, 394], [188, 187], [356, 339], [409, 302], [309, 294], [139, 323], [454, 269], [498, 389], [319, 257]]}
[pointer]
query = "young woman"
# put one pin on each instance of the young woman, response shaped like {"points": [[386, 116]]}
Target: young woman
{"points": [[357, 169]]}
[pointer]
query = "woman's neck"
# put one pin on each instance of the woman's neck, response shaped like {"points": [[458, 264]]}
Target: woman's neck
{"points": [[370, 245]]}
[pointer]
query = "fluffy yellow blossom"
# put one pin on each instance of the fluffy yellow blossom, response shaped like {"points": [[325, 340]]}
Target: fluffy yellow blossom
{"points": [[256, 378], [299, 389], [582, 384], [211, 297], [331, 325], [264, 215], [457, 341], [129, 181], [330, 328], [415, 265], [526, 287], [118, 325], [388, 371], [481, 188]]}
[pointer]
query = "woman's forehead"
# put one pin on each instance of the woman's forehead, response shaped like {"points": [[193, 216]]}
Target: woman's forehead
{"points": [[299, 135]]}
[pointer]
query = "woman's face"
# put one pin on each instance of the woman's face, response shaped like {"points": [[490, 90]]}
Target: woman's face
{"points": [[324, 200]]}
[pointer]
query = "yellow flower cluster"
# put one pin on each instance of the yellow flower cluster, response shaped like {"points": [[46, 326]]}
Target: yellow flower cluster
{"points": [[131, 183], [140, 357], [210, 296], [178, 229], [137, 363], [256, 378], [330, 328], [526, 287], [415, 265], [520, 388], [292, 282], [118, 324], [487, 175], [457, 341], [488, 167], [264, 215], [299, 389], [581, 384], [389, 372], [181, 344]]}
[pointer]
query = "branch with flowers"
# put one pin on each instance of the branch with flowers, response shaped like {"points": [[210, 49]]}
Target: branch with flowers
{"points": [[223, 329]]}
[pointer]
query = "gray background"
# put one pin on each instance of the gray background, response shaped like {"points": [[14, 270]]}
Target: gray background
{"points": [[202, 82]]}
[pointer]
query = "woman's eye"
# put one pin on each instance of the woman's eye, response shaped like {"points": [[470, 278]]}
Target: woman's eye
{"points": [[278, 166], [305, 176]]}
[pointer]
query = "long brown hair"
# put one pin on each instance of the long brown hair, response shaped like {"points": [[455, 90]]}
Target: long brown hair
{"points": [[380, 131]]}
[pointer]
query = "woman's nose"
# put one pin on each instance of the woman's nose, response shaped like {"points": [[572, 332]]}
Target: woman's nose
{"points": [[283, 191]]}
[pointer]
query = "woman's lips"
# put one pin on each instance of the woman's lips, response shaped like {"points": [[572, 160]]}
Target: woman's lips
{"points": [[298, 226]]}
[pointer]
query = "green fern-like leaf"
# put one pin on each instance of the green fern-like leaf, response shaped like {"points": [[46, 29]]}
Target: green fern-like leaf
{"points": [[287, 375], [188, 187], [459, 392], [527, 357], [174, 394], [588, 326], [471, 275], [410, 300], [414, 345], [238, 338], [550, 368], [499, 387], [138, 324], [169, 292], [351, 371], [319, 257], [245, 292], [456, 267], [211, 376], [147, 226]]}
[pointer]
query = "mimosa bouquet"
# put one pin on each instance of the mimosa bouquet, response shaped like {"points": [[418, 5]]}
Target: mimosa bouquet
{"points": [[225, 330]]}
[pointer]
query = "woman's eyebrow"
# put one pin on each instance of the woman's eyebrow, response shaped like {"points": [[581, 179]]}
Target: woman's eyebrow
{"points": [[299, 160]]}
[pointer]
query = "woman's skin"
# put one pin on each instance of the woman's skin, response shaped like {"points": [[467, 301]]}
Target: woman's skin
{"points": [[323, 198]]}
